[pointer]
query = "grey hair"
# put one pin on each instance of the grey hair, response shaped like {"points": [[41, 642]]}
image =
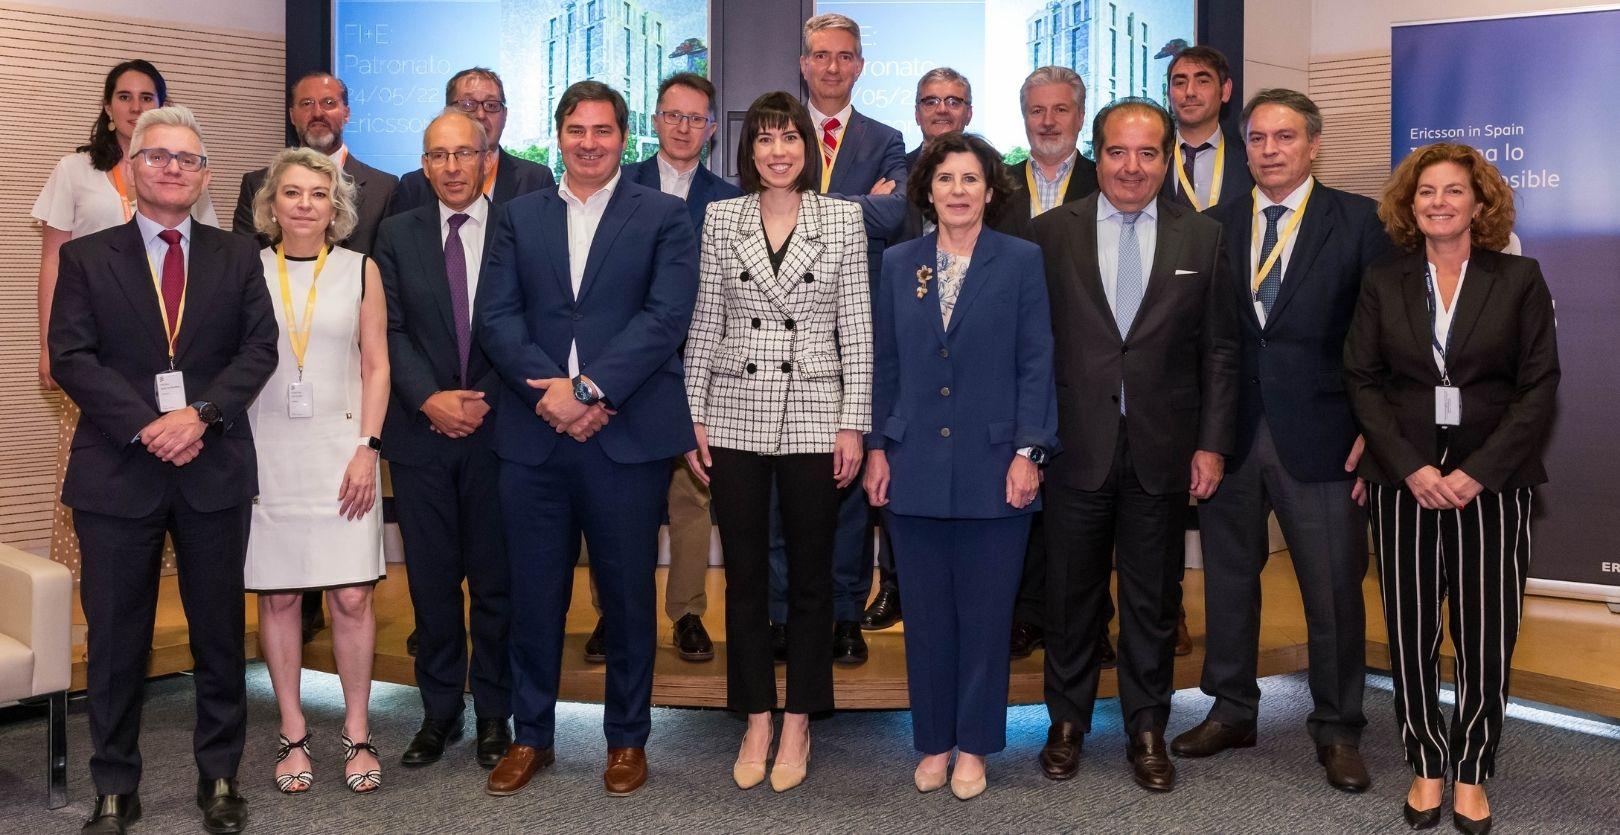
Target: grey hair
{"points": [[478, 127], [945, 75], [344, 215], [175, 116], [1053, 74], [831, 20], [1292, 99]]}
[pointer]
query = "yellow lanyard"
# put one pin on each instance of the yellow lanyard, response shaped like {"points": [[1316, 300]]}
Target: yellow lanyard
{"points": [[169, 331], [1035, 207], [1282, 238], [1214, 181], [124, 203], [298, 335], [828, 160]]}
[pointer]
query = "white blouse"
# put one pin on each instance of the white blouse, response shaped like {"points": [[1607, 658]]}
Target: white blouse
{"points": [[1443, 313], [79, 199]]}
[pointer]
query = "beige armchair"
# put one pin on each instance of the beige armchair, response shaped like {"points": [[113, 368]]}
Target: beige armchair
{"points": [[36, 611]]}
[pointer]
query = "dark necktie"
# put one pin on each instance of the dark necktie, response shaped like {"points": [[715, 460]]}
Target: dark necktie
{"points": [[1271, 285], [455, 267], [174, 278], [1188, 154]]}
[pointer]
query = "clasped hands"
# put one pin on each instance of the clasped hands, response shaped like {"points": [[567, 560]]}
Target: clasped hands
{"points": [[565, 413], [176, 437], [455, 413]]}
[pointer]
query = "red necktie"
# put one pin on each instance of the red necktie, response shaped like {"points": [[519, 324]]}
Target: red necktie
{"points": [[174, 277], [829, 140]]}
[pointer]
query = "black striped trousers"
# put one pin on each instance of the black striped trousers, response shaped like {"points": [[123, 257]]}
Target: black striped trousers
{"points": [[1477, 557]]}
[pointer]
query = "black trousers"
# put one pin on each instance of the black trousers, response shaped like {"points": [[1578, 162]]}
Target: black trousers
{"points": [[741, 485], [450, 519], [1088, 533], [118, 587], [1477, 557], [1030, 607]]}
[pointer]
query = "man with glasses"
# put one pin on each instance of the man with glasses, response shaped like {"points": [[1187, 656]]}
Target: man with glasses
{"points": [[479, 92], [944, 104]]}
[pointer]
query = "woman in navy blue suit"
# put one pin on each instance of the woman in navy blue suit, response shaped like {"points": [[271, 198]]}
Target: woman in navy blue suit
{"points": [[964, 412]]}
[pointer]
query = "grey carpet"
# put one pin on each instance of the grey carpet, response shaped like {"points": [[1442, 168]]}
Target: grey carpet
{"points": [[1556, 775]]}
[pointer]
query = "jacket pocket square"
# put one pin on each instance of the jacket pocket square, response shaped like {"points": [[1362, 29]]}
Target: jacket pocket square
{"points": [[1186, 272]]}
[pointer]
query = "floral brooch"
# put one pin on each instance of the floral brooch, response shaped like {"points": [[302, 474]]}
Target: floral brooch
{"points": [[925, 274]]}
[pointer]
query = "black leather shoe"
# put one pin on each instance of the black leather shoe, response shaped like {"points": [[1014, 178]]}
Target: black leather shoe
{"points": [[1345, 770], [692, 640], [1026, 638], [1105, 652], [848, 645], [1425, 819], [596, 646], [428, 745], [1468, 825], [1150, 762], [779, 643], [112, 814], [412, 644], [884, 611], [494, 737], [223, 809], [1212, 737], [1060, 758]]}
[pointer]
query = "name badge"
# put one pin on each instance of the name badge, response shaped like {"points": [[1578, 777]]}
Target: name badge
{"points": [[170, 388], [1447, 406], [301, 399]]}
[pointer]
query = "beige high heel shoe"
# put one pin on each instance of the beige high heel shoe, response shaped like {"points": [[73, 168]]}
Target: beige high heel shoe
{"points": [[969, 789], [786, 775], [747, 773], [928, 781]]}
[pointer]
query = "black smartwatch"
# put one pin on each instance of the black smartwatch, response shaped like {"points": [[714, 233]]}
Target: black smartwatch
{"points": [[1038, 456], [371, 442], [583, 391], [208, 412]]}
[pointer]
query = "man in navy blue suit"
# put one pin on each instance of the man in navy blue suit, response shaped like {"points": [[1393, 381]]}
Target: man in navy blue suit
{"points": [[584, 301]]}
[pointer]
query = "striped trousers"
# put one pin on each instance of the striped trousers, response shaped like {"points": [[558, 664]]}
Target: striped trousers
{"points": [[1476, 557]]}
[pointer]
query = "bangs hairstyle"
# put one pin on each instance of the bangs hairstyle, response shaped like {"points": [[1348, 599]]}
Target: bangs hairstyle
{"points": [[919, 186], [344, 216], [1495, 222], [777, 111], [103, 145]]}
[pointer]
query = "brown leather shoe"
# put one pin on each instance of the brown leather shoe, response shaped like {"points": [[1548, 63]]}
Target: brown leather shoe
{"points": [[1060, 758], [1345, 770], [1183, 635], [515, 769], [626, 771], [1212, 737], [1150, 762]]}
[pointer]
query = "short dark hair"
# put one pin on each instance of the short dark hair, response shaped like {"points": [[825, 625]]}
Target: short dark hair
{"points": [[777, 111], [103, 145], [1099, 141], [472, 72], [689, 80], [583, 91], [343, 89], [919, 185], [1207, 56], [1293, 100]]}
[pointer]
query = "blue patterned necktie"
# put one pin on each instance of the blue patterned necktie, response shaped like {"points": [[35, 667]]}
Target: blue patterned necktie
{"points": [[1271, 285], [1127, 282]]}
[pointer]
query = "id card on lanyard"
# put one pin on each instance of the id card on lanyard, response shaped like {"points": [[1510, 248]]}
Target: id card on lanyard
{"points": [[169, 387], [1447, 397], [300, 394]]}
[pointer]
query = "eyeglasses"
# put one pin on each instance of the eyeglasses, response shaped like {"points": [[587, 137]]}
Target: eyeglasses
{"points": [[328, 103], [950, 102], [160, 157], [488, 105], [672, 118], [465, 156]]}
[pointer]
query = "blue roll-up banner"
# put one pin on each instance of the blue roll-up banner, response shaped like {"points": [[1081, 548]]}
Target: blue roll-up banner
{"points": [[1535, 94]]}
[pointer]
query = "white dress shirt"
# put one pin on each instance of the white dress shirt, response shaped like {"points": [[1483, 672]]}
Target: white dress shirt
{"points": [[583, 218], [156, 249], [472, 242], [673, 182], [1109, 226], [1292, 202], [1444, 314]]}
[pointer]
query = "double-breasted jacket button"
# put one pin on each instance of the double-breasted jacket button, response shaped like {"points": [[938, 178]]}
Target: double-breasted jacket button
{"points": [[789, 324], [755, 323], [945, 353], [944, 391], [809, 278], [945, 432], [751, 368], [786, 367], [744, 276]]}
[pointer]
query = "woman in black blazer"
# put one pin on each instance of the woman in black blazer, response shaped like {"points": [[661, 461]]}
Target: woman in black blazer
{"points": [[1452, 367]]}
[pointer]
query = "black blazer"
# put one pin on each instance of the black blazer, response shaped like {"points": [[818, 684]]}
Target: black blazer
{"points": [[373, 189], [514, 177], [422, 355], [1290, 370], [107, 342], [1236, 180], [1178, 362], [1503, 355], [1015, 219]]}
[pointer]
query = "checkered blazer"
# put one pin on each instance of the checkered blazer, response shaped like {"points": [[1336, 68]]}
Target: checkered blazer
{"points": [[777, 363]]}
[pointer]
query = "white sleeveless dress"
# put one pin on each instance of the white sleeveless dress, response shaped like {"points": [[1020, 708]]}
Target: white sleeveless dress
{"points": [[298, 539]]}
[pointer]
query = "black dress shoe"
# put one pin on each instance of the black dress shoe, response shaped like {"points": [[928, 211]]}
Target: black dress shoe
{"points": [[1212, 737], [1026, 638], [1150, 762], [223, 809], [1425, 819], [412, 644], [884, 611], [779, 643], [428, 745], [1345, 770], [848, 645], [1060, 758], [1468, 825], [494, 737], [112, 814], [596, 646], [1105, 652], [692, 640]]}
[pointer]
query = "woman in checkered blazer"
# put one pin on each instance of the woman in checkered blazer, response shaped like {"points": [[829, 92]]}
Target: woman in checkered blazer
{"points": [[779, 376]]}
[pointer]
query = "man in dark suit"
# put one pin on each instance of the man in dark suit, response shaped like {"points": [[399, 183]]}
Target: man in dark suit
{"points": [[1146, 367], [1208, 159], [318, 108], [1297, 444], [944, 104], [479, 92], [586, 296], [164, 376], [438, 445]]}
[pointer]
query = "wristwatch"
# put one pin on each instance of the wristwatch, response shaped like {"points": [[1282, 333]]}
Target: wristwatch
{"points": [[208, 412], [1036, 455], [584, 392], [371, 442]]}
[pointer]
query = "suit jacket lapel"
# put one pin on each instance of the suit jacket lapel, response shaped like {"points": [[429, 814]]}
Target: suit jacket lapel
{"points": [[1166, 249], [1237, 160], [847, 155], [1239, 250], [621, 205], [433, 270], [1415, 294], [134, 276], [1470, 300], [1086, 270], [804, 249], [973, 283], [554, 229], [698, 197], [505, 178], [753, 251], [1314, 230], [930, 300], [203, 272]]}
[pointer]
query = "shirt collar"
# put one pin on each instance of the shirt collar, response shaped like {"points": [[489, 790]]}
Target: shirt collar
{"points": [[1063, 170], [1106, 210], [1292, 201], [667, 170], [478, 212], [150, 228], [340, 155], [843, 116], [1215, 140], [599, 196]]}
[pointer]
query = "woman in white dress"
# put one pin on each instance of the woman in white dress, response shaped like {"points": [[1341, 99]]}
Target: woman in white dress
{"points": [[316, 523]]}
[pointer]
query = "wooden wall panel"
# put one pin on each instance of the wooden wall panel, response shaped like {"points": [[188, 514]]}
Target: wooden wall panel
{"points": [[1353, 93], [53, 62]]}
